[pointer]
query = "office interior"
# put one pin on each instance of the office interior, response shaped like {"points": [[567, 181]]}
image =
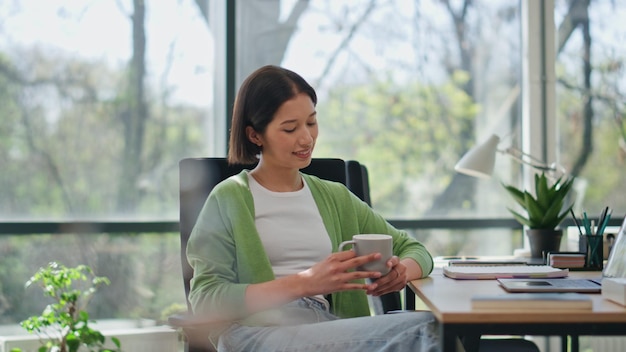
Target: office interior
{"points": [[99, 105]]}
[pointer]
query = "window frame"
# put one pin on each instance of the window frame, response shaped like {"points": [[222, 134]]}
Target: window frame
{"points": [[539, 130]]}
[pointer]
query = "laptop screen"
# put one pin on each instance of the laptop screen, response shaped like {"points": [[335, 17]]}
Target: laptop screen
{"points": [[616, 263]]}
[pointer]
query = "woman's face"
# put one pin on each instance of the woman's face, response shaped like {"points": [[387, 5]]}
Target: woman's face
{"points": [[290, 137]]}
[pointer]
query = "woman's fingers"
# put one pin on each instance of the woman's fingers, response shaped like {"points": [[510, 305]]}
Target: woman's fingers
{"points": [[394, 281], [338, 273], [350, 267]]}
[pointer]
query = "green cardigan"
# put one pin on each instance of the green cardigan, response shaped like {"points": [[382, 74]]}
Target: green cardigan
{"points": [[227, 254]]}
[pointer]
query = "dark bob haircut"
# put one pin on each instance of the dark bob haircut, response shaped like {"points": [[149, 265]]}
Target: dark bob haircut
{"points": [[258, 99]]}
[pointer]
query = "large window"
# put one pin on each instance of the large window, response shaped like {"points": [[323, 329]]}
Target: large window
{"points": [[591, 98], [99, 100]]}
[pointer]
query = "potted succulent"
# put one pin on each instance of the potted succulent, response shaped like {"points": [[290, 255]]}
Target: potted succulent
{"points": [[63, 326], [545, 210]]}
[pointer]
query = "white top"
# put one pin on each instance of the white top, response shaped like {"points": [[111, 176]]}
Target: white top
{"points": [[291, 228]]}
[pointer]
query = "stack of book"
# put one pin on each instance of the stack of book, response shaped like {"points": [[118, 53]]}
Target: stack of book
{"points": [[567, 260]]}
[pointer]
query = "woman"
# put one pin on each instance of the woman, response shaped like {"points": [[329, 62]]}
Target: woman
{"points": [[263, 248]]}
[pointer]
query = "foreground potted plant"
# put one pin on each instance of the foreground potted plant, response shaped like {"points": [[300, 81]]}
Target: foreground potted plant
{"points": [[545, 210], [63, 326]]}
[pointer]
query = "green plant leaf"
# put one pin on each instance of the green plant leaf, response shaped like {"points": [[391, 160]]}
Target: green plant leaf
{"points": [[544, 208], [564, 215], [542, 191], [516, 194], [519, 217], [73, 342], [534, 209], [116, 341]]}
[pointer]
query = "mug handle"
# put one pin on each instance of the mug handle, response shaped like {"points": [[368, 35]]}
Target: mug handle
{"points": [[345, 243]]}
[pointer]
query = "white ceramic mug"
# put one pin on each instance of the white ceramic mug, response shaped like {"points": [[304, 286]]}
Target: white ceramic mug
{"points": [[372, 243]]}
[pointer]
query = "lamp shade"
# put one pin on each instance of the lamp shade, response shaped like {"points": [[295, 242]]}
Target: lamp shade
{"points": [[479, 161]]}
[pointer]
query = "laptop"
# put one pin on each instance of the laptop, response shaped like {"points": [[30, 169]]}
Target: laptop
{"points": [[616, 264]]}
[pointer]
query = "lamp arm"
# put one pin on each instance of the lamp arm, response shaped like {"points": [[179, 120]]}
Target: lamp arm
{"points": [[519, 155]]}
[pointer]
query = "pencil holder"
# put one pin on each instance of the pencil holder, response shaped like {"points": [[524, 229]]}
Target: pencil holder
{"points": [[595, 253]]}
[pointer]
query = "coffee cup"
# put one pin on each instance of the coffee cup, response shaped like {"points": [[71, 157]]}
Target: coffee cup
{"points": [[372, 243]]}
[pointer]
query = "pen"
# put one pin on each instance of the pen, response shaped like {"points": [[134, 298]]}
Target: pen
{"points": [[601, 218], [605, 222], [580, 231], [586, 223]]}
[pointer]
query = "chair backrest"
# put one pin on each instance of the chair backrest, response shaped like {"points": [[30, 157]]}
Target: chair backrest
{"points": [[358, 180]]}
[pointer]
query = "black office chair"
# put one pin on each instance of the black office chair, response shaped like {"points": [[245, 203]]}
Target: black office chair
{"points": [[198, 176]]}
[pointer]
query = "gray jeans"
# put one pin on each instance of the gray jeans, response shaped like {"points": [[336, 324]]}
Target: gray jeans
{"points": [[310, 327]]}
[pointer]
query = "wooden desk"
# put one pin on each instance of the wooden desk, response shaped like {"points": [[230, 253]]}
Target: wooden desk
{"points": [[450, 302]]}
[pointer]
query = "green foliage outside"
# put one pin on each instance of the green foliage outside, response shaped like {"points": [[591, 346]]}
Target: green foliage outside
{"points": [[398, 129], [603, 172]]}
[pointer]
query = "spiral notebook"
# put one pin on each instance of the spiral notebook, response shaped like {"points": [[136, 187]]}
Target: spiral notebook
{"points": [[492, 272]]}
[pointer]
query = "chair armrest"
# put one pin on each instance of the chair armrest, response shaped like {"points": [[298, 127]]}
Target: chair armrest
{"points": [[187, 321], [195, 330]]}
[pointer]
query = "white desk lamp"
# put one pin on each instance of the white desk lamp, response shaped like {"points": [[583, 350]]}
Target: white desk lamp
{"points": [[479, 160]]}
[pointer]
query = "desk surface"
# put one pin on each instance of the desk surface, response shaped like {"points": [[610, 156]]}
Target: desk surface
{"points": [[450, 302]]}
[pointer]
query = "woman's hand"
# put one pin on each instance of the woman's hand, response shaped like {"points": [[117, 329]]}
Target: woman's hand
{"points": [[395, 280], [333, 275]]}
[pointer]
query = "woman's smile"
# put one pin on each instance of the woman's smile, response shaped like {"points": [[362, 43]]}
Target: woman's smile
{"points": [[304, 154]]}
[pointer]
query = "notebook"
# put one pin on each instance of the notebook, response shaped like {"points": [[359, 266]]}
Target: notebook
{"points": [[552, 285], [480, 272]]}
